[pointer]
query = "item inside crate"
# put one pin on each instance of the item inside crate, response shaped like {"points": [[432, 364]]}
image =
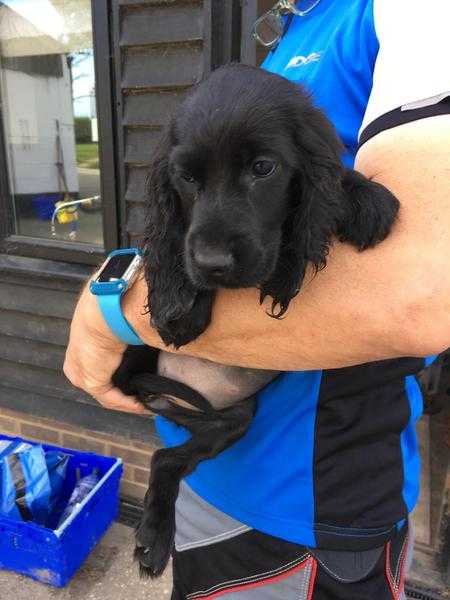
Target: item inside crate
{"points": [[33, 485], [82, 488]]}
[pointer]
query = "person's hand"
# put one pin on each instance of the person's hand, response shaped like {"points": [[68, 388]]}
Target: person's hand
{"points": [[93, 355]]}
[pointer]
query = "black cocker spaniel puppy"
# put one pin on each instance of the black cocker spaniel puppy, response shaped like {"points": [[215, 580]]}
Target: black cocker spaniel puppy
{"points": [[247, 189]]}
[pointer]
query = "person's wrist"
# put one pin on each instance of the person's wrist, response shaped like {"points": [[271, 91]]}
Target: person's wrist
{"points": [[95, 323]]}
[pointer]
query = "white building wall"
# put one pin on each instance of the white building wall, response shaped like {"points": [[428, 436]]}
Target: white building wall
{"points": [[33, 103]]}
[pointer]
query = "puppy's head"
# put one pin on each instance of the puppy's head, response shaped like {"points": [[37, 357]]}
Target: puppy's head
{"points": [[240, 154], [242, 189], [231, 166]]}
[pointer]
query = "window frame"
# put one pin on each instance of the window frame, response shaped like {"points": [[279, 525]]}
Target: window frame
{"points": [[61, 250], [249, 15]]}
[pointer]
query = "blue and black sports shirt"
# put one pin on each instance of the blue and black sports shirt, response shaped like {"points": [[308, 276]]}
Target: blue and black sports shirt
{"points": [[331, 458]]}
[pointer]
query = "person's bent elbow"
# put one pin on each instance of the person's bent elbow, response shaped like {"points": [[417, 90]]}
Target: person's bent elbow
{"points": [[426, 319]]}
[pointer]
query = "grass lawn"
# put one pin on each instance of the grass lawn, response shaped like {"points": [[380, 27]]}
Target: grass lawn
{"points": [[87, 155]]}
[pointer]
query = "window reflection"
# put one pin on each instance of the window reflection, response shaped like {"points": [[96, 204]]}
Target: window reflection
{"points": [[49, 118]]}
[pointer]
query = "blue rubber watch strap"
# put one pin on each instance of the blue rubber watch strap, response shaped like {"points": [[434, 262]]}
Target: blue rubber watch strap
{"points": [[113, 315]]}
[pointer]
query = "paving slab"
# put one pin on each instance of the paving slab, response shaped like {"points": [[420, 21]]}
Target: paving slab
{"points": [[109, 573]]}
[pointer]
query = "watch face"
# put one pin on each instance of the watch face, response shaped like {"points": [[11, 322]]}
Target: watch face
{"points": [[116, 267]]}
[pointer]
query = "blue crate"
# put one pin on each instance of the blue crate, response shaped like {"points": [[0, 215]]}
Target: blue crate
{"points": [[54, 555]]}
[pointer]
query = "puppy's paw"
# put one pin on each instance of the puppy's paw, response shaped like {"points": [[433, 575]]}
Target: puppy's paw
{"points": [[190, 326], [154, 545], [179, 333]]}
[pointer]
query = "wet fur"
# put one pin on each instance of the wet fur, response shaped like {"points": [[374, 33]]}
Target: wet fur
{"points": [[285, 224]]}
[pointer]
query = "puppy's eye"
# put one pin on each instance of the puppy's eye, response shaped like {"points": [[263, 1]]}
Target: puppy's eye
{"points": [[187, 176], [263, 168]]}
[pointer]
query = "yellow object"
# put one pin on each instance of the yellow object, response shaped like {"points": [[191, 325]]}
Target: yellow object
{"points": [[67, 214]]}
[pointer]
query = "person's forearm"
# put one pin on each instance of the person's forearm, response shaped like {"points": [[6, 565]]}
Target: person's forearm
{"points": [[393, 300], [333, 322]]}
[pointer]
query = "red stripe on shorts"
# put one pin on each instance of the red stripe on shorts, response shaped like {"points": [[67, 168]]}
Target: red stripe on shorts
{"points": [[309, 561]]}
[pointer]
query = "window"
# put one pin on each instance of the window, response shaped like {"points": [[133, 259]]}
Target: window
{"points": [[251, 51], [49, 119]]}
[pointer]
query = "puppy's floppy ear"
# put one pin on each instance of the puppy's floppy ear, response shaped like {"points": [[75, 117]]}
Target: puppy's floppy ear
{"points": [[326, 200], [171, 294], [315, 209]]}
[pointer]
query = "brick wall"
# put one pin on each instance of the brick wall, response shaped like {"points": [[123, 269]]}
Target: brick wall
{"points": [[135, 454]]}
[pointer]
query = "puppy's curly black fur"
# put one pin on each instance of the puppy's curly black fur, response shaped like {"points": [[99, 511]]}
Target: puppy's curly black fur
{"points": [[235, 115], [247, 189]]}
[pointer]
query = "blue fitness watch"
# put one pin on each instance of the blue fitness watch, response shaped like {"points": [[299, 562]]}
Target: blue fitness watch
{"points": [[117, 274]]}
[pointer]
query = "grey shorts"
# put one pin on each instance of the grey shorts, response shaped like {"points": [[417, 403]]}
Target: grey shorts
{"points": [[217, 556]]}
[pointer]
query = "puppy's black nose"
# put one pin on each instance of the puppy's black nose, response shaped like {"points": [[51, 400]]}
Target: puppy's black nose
{"points": [[212, 259]]}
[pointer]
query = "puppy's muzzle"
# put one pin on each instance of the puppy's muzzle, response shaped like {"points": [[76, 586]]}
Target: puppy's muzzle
{"points": [[212, 260], [223, 260]]}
